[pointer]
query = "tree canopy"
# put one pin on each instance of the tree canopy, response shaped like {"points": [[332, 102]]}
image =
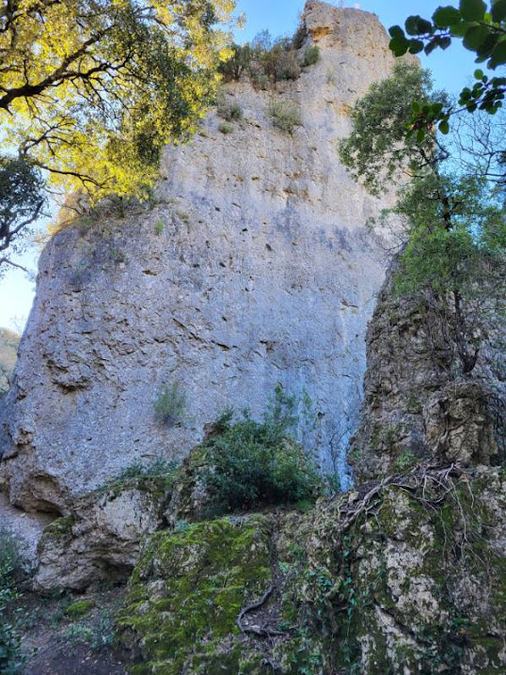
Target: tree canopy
{"points": [[91, 90]]}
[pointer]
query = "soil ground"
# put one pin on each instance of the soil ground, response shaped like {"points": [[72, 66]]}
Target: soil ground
{"points": [[54, 643]]}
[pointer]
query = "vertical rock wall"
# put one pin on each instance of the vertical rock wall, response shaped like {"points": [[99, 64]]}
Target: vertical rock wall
{"points": [[254, 267]]}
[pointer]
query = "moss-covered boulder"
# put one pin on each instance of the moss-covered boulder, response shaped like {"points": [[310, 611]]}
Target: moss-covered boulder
{"points": [[408, 575], [187, 592]]}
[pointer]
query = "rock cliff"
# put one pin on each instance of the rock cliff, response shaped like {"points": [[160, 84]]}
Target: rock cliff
{"points": [[418, 406], [252, 267]]}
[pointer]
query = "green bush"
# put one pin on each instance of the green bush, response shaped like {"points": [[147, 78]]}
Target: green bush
{"points": [[170, 405], [225, 128], [264, 60], [11, 569], [253, 464], [231, 112], [285, 116], [284, 64], [311, 56]]}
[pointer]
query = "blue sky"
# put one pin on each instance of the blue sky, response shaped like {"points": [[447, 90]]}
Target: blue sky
{"points": [[451, 69]]}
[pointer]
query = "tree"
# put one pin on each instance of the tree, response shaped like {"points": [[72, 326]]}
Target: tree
{"points": [[452, 219], [21, 202], [482, 29], [91, 90]]}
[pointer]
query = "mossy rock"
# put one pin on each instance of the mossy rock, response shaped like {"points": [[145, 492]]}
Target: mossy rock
{"points": [[416, 582], [60, 528], [79, 608], [187, 591]]}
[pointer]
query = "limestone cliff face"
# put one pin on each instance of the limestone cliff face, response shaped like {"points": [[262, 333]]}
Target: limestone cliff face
{"points": [[254, 267]]}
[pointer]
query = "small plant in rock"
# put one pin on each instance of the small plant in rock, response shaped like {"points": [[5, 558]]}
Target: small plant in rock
{"points": [[79, 633], [231, 112], [285, 116], [406, 460], [159, 227], [79, 608], [235, 112], [253, 464], [170, 406], [311, 56], [225, 128], [154, 470], [161, 473]]}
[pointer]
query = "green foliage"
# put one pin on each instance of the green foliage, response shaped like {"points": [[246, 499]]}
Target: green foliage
{"points": [[170, 406], [225, 128], [111, 84], [238, 64], [97, 632], [253, 464], [285, 116], [377, 149], [21, 203], [11, 659], [405, 461], [159, 227], [266, 61], [156, 478], [79, 608], [482, 30], [311, 56], [451, 215], [230, 112]]}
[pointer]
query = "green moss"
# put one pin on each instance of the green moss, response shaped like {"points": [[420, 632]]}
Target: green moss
{"points": [[61, 527], [156, 479], [79, 608], [204, 575]]}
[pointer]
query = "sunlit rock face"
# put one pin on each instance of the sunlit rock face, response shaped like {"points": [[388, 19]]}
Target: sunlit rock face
{"points": [[254, 267]]}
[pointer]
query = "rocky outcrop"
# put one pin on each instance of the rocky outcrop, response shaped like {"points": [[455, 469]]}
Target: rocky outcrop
{"points": [[252, 267], [404, 575], [9, 342], [101, 539], [418, 405]]}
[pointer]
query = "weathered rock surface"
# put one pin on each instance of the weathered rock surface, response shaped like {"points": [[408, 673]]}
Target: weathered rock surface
{"points": [[418, 405], [27, 528], [9, 342], [404, 576], [102, 537], [254, 267]]}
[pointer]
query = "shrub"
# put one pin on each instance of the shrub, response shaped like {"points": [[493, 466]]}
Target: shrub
{"points": [[159, 227], [285, 116], [311, 56], [285, 65], [264, 60], [225, 128], [253, 464], [238, 64], [10, 569], [258, 77], [232, 112], [170, 405]]}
